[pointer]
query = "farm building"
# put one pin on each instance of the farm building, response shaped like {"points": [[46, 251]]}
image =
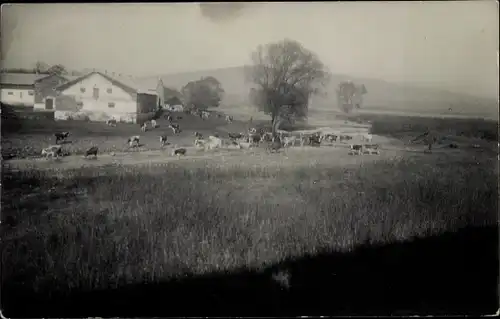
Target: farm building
{"points": [[45, 90], [19, 88], [99, 96]]}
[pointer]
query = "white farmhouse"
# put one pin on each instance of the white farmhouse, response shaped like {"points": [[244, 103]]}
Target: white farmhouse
{"points": [[99, 96], [19, 88]]}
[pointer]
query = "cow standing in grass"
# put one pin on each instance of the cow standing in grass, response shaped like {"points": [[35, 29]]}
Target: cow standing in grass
{"points": [[356, 149], [91, 152], [213, 143], [229, 119], [163, 140], [179, 152], [205, 115], [289, 141], [144, 127], [175, 128], [198, 135], [111, 122], [367, 138], [133, 141], [61, 136], [154, 124], [53, 151]]}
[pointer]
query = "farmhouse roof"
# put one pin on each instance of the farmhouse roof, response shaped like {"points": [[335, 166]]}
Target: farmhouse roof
{"points": [[20, 78], [128, 84]]}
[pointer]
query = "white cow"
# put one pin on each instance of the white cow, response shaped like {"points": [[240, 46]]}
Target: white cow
{"points": [[289, 141], [367, 138], [213, 143], [153, 124]]}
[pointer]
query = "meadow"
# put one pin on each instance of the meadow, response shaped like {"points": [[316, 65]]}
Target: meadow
{"points": [[89, 230]]}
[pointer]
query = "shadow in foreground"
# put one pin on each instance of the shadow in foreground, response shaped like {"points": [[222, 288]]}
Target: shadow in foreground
{"points": [[453, 273]]}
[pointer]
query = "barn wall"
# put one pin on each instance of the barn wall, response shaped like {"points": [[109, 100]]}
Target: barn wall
{"points": [[117, 103]]}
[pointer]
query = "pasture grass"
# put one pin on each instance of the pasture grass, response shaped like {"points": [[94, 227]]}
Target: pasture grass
{"points": [[91, 229], [22, 138]]}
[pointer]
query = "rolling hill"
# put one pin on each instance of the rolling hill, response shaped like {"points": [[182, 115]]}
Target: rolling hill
{"points": [[382, 95]]}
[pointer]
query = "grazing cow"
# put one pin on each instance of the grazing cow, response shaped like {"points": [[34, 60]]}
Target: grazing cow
{"points": [[175, 128], [154, 124], [198, 142], [315, 139], [179, 117], [213, 143], [252, 130], [91, 151], [111, 122], [266, 137], [356, 149], [133, 140], [163, 140], [205, 115], [367, 138], [198, 135], [254, 138], [345, 138], [52, 151], [61, 136], [144, 126], [169, 118], [179, 152], [453, 145], [330, 138], [235, 136], [289, 141], [229, 119]]}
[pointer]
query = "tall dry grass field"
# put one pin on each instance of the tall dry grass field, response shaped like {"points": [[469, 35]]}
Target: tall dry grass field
{"points": [[96, 229]]}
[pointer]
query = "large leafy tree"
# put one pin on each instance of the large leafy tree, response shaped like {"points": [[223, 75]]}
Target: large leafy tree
{"points": [[285, 75], [204, 93]]}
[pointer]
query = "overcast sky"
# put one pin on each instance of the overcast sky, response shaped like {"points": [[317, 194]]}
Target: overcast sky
{"points": [[452, 45]]}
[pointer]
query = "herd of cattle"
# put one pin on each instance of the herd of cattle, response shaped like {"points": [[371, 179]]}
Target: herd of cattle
{"points": [[252, 138], [243, 140]]}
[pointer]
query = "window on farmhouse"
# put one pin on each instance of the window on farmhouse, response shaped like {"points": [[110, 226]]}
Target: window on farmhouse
{"points": [[111, 104], [96, 93], [10, 93], [31, 93], [82, 90], [109, 90]]}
